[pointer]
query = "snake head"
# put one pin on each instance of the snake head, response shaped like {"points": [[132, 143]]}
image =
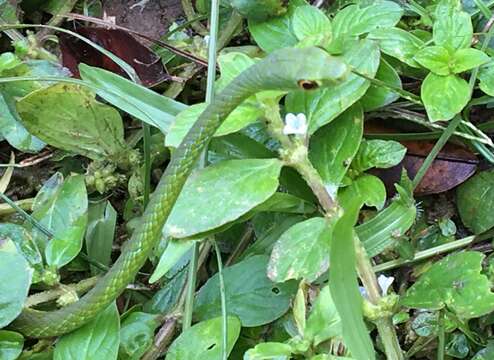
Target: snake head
{"points": [[303, 68]]}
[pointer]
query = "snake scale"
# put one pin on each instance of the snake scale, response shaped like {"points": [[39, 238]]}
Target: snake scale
{"points": [[285, 69]]}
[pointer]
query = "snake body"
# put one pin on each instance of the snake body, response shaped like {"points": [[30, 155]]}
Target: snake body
{"points": [[286, 69]]}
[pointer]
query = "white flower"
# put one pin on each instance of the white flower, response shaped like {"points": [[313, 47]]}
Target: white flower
{"points": [[384, 283], [295, 124]]}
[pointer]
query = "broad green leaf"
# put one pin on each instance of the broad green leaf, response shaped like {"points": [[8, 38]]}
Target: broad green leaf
{"points": [[24, 242], [172, 254], [343, 283], [475, 201], [302, 252], [11, 127], [333, 147], [444, 96], [381, 154], [275, 33], [457, 346], [435, 58], [221, 193], [452, 27], [242, 116], [355, 20], [14, 282], [455, 282], [467, 59], [259, 9], [231, 65], [250, 295], [324, 322], [136, 335], [378, 96], [102, 219], [136, 100], [369, 188], [13, 131], [203, 340], [165, 299], [269, 351], [69, 118], [486, 79], [486, 353], [311, 26], [98, 339], [11, 344], [237, 146], [398, 43], [62, 209], [324, 105]]}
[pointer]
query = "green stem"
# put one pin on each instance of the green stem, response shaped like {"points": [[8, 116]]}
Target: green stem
{"points": [[435, 150], [224, 323], [25, 204], [191, 15], [425, 254], [384, 325], [212, 50], [191, 289], [26, 216], [64, 8], [229, 30], [441, 337], [147, 161]]}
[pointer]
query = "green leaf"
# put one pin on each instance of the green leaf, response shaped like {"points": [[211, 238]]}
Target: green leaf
{"points": [[250, 295], [24, 242], [369, 188], [343, 282], [11, 344], [455, 282], [102, 219], [355, 20], [14, 282], [258, 9], [302, 252], [398, 43], [62, 209], [324, 105], [444, 96], [275, 33], [98, 339], [231, 65], [13, 131], [237, 146], [324, 322], [435, 58], [136, 335], [311, 26], [174, 251], [69, 118], [242, 116], [452, 28], [269, 351], [457, 346], [136, 100], [381, 154], [377, 97], [467, 59], [486, 353], [333, 147], [165, 299], [475, 201], [222, 193], [486, 79], [203, 340]]}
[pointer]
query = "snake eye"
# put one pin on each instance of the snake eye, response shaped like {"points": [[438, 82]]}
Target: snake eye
{"points": [[308, 84]]}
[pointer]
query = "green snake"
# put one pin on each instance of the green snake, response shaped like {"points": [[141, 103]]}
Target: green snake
{"points": [[286, 69]]}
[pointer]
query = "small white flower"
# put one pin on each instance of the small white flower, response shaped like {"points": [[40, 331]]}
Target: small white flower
{"points": [[384, 283], [295, 124]]}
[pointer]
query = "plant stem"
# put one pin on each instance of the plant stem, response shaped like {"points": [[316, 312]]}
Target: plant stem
{"points": [[26, 216], [147, 161], [425, 254], [224, 323], [435, 150], [441, 337], [191, 289], [384, 325], [64, 8], [229, 30], [295, 154], [25, 204], [191, 15]]}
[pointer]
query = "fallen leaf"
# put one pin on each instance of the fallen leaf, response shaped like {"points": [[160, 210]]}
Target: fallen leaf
{"points": [[147, 64]]}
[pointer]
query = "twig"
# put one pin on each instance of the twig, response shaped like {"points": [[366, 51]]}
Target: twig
{"points": [[162, 339], [191, 14]]}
